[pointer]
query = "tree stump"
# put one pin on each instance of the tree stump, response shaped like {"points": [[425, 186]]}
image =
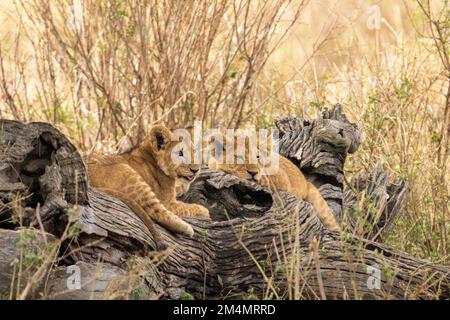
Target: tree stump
{"points": [[256, 245]]}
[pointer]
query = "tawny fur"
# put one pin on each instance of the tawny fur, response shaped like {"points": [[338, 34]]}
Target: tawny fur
{"points": [[146, 177], [287, 178], [140, 212]]}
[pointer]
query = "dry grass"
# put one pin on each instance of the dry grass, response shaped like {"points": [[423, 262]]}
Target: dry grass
{"points": [[120, 65], [105, 68]]}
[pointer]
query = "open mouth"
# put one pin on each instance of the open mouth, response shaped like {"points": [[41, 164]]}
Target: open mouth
{"points": [[190, 178]]}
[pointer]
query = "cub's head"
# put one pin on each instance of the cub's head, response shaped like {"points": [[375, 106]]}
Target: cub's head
{"points": [[240, 164], [173, 152]]}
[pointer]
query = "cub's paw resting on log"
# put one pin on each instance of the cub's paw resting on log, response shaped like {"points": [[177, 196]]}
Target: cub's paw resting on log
{"points": [[144, 178], [189, 210]]}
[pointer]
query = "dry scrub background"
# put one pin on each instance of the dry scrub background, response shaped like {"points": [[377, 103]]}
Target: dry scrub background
{"points": [[104, 70]]}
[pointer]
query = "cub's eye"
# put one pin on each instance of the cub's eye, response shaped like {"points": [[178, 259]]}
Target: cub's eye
{"points": [[180, 153]]}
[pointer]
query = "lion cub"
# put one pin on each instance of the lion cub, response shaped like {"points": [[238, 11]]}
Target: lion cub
{"points": [[287, 178], [144, 179]]}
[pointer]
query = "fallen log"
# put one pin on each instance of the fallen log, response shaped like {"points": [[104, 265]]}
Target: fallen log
{"points": [[256, 245]]}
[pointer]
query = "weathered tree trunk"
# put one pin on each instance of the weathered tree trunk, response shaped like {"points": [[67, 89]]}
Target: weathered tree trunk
{"points": [[256, 244]]}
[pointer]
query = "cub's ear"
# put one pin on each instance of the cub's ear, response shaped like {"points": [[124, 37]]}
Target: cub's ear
{"points": [[159, 137]]}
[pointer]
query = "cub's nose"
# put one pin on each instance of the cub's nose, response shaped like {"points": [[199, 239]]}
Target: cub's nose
{"points": [[252, 173], [194, 171]]}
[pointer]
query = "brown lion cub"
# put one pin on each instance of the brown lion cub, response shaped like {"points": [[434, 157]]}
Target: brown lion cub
{"points": [[287, 178], [144, 179]]}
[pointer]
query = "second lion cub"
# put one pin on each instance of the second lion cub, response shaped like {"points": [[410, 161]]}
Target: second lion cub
{"points": [[287, 178]]}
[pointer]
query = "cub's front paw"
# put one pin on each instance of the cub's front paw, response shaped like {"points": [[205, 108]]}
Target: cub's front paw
{"points": [[188, 230]]}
